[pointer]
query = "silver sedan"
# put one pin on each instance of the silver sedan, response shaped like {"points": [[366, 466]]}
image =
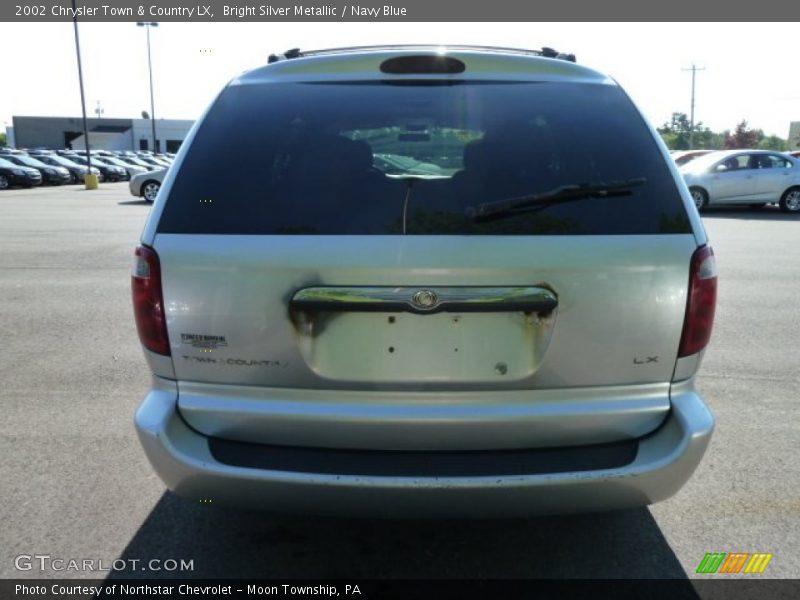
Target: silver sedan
{"points": [[146, 185], [751, 177]]}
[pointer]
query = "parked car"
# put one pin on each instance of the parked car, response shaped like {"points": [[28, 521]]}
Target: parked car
{"points": [[110, 172], [50, 174], [518, 336], [392, 164], [134, 160], [12, 174], [130, 170], [77, 171], [153, 161], [751, 177], [146, 185], [682, 157]]}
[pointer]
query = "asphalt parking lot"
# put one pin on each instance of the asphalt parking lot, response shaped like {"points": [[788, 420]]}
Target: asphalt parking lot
{"points": [[77, 485]]}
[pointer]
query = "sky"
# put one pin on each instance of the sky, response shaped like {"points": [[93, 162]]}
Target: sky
{"points": [[192, 61]]}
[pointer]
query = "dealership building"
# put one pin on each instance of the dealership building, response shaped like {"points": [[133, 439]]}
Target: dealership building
{"points": [[104, 134]]}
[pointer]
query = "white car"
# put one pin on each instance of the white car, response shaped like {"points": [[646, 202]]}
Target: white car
{"points": [[146, 185], [752, 177]]}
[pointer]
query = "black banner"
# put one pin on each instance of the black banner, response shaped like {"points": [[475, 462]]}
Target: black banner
{"points": [[540, 589]]}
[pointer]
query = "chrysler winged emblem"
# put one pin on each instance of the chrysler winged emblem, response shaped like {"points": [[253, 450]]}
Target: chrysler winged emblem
{"points": [[425, 299]]}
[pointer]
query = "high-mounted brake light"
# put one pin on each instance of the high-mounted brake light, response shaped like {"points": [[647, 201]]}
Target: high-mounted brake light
{"points": [[701, 303], [423, 65], [148, 301]]}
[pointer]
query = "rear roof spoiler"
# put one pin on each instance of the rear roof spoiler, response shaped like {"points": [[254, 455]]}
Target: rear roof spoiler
{"points": [[297, 53]]}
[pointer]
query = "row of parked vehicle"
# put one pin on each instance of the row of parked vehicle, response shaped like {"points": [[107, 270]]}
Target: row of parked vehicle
{"points": [[28, 168], [750, 177], [753, 178]]}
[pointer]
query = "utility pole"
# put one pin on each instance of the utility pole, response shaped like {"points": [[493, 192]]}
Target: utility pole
{"points": [[694, 70]]}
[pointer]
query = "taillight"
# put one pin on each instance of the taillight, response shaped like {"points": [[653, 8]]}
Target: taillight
{"points": [[148, 301], [702, 302]]}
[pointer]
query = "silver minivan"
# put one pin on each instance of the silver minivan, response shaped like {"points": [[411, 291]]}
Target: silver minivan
{"points": [[503, 315]]}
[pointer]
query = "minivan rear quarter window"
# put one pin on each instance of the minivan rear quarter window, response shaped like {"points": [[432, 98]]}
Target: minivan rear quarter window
{"points": [[412, 157]]}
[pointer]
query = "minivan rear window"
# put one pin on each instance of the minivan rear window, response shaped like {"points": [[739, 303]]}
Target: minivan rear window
{"points": [[412, 157]]}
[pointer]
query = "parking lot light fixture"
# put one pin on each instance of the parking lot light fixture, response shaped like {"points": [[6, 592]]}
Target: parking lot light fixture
{"points": [[147, 25]]}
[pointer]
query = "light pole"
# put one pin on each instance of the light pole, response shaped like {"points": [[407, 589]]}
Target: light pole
{"points": [[147, 25], [89, 180]]}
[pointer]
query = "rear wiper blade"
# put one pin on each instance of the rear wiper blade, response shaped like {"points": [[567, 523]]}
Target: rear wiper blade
{"points": [[565, 193]]}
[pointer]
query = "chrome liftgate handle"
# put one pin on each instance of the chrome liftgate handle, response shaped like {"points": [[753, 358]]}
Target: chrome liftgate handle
{"points": [[425, 300]]}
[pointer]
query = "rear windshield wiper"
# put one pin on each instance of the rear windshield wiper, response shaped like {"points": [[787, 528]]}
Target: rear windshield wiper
{"points": [[565, 193]]}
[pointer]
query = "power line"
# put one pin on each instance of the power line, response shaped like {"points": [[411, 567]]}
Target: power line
{"points": [[694, 70]]}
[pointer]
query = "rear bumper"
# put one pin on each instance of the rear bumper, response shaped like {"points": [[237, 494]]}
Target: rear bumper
{"points": [[665, 459]]}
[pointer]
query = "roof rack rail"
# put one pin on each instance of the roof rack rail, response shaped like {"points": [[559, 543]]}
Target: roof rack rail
{"points": [[297, 53]]}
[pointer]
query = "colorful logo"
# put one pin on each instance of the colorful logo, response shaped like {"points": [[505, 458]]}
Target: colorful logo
{"points": [[734, 562]]}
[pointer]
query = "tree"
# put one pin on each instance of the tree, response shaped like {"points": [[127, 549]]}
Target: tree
{"points": [[773, 142], [743, 137], [3, 140], [677, 133], [708, 139]]}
